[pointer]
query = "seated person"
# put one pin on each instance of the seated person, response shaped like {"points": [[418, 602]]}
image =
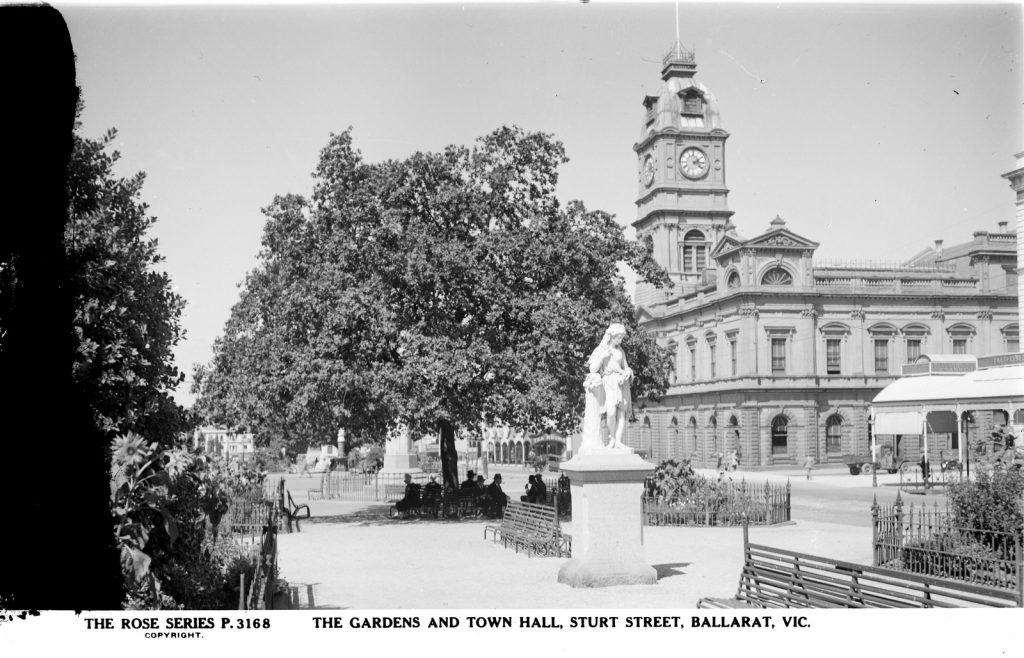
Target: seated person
{"points": [[470, 482], [432, 488], [530, 489], [411, 500], [540, 490], [480, 482], [497, 497]]}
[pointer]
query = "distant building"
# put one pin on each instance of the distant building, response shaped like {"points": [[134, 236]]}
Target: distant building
{"points": [[504, 445], [777, 354], [224, 443]]}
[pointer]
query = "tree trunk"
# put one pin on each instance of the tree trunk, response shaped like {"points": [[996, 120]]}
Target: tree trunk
{"points": [[449, 456]]}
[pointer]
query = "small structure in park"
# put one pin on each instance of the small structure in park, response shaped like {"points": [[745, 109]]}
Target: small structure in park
{"points": [[607, 480]]}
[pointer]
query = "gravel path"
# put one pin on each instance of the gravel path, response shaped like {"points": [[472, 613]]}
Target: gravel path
{"points": [[351, 555]]}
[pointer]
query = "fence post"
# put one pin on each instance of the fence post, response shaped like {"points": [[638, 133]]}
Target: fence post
{"points": [[1020, 571], [899, 522], [789, 513], [875, 548]]}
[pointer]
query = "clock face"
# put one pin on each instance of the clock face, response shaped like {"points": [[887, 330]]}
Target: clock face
{"points": [[648, 173], [693, 163]]}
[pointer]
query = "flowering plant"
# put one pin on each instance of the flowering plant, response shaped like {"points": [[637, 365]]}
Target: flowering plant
{"points": [[162, 500]]}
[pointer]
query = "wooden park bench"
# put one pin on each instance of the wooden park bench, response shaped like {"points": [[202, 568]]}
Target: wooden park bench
{"points": [[464, 502], [532, 527], [295, 512], [431, 501], [780, 578]]}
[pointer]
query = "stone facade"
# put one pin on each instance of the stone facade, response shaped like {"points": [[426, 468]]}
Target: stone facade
{"points": [[778, 354]]}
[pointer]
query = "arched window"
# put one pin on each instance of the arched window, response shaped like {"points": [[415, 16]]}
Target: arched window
{"points": [[734, 280], [693, 437], [713, 428], [780, 435], [695, 252], [777, 277], [834, 434], [961, 336], [1011, 338]]}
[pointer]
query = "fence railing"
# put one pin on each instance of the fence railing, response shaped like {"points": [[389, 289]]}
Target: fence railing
{"points": [[258, 593], [722, 504], [925, 540], [380, 487], [245, 518]]}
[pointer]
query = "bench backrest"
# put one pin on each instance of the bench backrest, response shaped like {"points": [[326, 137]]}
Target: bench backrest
{"points": [[532, 518], [776, 577]]}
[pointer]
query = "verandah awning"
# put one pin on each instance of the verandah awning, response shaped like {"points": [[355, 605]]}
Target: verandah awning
{"points": [[898, 422]]}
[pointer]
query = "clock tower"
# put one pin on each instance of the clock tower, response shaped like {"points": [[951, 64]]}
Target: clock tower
{"points": [[682, 200]]}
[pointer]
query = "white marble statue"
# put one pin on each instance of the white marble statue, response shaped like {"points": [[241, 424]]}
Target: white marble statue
{"points": [[607, 391]]}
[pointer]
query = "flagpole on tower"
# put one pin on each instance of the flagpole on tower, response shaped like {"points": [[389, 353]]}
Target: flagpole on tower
{"points": [[677, 23]]}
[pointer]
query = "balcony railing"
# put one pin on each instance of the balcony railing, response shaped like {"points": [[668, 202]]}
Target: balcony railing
{"points": [[879, 265]]}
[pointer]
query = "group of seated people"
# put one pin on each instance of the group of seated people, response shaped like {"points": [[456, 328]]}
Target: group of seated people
{"points": [[536, 490], [489, 496]]}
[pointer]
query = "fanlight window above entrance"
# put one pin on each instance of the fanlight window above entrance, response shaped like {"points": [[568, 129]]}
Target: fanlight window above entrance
{"points": [[777, 277]]}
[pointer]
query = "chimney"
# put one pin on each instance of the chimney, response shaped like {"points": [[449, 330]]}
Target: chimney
{"points": [[938, 247], [1002, 227]]}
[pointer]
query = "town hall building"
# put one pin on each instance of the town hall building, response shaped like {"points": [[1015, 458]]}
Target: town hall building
{"points": [[778, 355]]}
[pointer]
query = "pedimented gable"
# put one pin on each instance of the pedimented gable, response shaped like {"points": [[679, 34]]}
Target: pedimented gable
{"points": [[780, 239], [727, 244]]}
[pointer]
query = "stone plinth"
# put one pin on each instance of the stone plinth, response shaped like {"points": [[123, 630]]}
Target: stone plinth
{"points": [[607, 536], [399, 456]]}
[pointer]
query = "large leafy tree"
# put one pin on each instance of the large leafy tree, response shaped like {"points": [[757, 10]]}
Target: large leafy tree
{"points": [[127, 315], [441, 291]]}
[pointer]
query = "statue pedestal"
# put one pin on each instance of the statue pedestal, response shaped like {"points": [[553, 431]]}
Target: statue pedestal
{"points": [[398, 454], [607, 537], [401, 463]]}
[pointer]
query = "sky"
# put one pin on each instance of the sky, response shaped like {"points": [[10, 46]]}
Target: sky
{"points": [[872, 129]]}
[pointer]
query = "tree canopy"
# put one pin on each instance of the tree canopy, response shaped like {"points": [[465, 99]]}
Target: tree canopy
{"points": [[439, 292], [127, 315]]}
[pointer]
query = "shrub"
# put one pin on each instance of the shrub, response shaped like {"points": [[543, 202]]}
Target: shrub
{"points": [[990, 502], [163, 501], [672, 480]]}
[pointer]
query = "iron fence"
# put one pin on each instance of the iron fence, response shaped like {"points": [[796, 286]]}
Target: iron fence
{"points": [[926, 540], [263, 584], [722, 504], [379, 487]]}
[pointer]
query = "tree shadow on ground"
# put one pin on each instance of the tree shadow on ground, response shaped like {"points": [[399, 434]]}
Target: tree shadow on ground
{"points": [[669, 570], [381, 515]]}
